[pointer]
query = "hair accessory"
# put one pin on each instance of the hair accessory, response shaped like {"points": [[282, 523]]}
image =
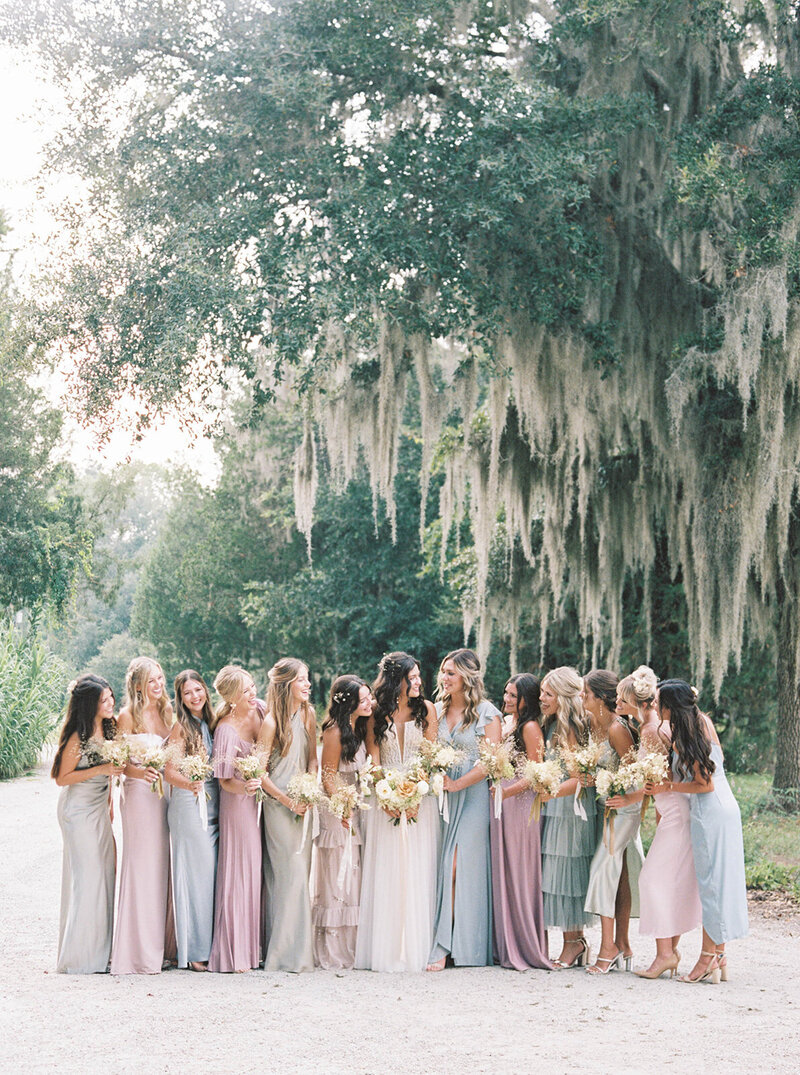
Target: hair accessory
{"points": [[695, 692], [340, 697], [71, 686]]}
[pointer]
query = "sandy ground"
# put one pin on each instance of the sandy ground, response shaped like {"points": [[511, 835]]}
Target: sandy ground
{"points": [[476, 1020]]}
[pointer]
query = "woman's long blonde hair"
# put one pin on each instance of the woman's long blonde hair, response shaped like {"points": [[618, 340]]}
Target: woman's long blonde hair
{"points": [[570, 716], [468, 666], [279, 701], [136, 678], [229, 683]]}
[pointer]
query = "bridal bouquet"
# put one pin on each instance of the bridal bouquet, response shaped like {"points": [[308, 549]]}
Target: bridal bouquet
{"points": [[196, 768], [343, 802], [650, 768], [251, 767], [435, 759], [398, 792], [365, 778], [610, 782], [582, 760], [498, 761], [543, 778], [148, 751], [116, 751], [304, 790]]}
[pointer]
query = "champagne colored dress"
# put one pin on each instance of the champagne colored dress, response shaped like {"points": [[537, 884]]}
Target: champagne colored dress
{"points": [[237, 907], [519, 937], [334, 908], [145, 932], [568, 846], [606, 869], [194, 864], [398, 884], [462, 928], [287, 920], [718, 853], [87, 877]]}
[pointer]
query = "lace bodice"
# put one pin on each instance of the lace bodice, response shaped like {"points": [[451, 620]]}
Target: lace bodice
{"points": [[391, 755]]}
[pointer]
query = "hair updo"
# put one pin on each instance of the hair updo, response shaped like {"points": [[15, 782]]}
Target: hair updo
{"points": [[639, 688]]}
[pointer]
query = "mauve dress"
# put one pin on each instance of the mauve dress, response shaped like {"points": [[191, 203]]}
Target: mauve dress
{"points": [[718, 852], [287, 920], [334, 910], [519, 937], [87, 877], [194, 864], [144, 935], [464, 931], [237, 905]]}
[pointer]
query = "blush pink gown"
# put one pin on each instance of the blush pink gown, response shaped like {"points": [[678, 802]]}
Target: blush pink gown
{"points": [[669, 901]]}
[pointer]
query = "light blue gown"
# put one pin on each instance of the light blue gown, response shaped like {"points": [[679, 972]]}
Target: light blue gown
{"points": [[194, 865], [718, 849], [465, 932]]}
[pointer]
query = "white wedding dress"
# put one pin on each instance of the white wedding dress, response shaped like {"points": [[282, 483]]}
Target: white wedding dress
{"points": [[398, 882]]}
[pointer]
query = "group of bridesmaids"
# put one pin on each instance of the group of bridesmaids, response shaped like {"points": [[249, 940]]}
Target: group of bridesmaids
{"points": [[236, 886]]}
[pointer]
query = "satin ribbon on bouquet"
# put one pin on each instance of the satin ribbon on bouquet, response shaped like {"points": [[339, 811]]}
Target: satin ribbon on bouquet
{"points": [[608, 820], [202, 806], [312, 813], [444, 807], [577, 805], [347, 858], [498, 801]]}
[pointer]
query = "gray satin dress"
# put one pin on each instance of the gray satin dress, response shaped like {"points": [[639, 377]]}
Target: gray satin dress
{"points": [[194, 865], [287, 916], [87, 878], [718, 849]]}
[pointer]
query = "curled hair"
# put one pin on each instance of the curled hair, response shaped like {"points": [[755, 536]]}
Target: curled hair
{"points": [[528, 689], [229, 683], [468, 666], [393, 671], [139, 672], [690, 740], [639, 688], [82, 706], [344, 701], [279, 701], [192, 736], [569, 717]]}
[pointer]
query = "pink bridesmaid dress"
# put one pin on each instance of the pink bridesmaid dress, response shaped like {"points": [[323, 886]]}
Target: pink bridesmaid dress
{"points": [[145, 934]]}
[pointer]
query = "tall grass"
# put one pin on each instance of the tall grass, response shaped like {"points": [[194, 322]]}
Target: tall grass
{"points": [[32, 685]]}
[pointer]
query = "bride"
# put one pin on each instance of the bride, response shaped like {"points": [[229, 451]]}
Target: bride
{"points": [[398, 884]]}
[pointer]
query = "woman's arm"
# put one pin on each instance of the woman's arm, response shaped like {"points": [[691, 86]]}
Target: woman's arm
{"points": [[698, 786], [477, 773], [172, 774], [125, 727], [373, 749], [69, 773], [331, 756], [311, 732], [534, 751], [432, 729]]}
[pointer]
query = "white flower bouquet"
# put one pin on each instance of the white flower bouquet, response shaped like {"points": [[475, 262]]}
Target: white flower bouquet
{"points": [[498, 761], [117, 751], [398, 792], [543, 778], [196, 768], [147, 750], [252, 766], [582, 761], [304, 790]]}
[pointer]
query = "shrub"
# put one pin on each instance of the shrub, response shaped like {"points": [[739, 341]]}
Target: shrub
{"points": [[32, 685]]}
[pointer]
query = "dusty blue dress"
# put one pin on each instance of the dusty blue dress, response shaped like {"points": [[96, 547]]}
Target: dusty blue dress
{"points": [[718, 849], [194, 865], [464, 932], [568, 847]]}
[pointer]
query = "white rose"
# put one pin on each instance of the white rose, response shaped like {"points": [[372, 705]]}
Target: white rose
{"points": [[423, 787], [437, 783], [383, 789]]}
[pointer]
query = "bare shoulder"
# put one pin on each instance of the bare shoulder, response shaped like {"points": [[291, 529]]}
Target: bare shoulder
{"points": [[332, 735], [124, 720]]}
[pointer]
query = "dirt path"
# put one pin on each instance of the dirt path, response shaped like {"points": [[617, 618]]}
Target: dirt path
{"points": [[481, 1020]]}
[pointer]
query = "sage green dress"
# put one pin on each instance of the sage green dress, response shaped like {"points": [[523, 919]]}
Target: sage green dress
{"points": [[287, 914]]}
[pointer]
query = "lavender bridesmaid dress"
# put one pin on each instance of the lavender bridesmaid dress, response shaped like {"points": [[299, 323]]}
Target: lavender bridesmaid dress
{"points": [[145, 933], [237, 905], [519, 937]]}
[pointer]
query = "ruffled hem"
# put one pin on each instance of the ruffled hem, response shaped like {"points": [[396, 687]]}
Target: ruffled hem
{"points": [[567, 839], [566, 876], [334, 917], [564, 912]]}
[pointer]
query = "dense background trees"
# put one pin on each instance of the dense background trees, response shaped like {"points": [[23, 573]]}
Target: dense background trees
{"points": [[565, 233]]}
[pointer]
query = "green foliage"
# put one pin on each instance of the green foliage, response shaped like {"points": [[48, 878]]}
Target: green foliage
{"points": [[32, 685]]}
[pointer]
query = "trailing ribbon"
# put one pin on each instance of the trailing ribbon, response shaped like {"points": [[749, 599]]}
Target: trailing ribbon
{"points": [[444, 801], [498, 801], [577, 805], [645, 800], [347, 859], [536, 807], [202, 807], [608, 822], [308, 817]]}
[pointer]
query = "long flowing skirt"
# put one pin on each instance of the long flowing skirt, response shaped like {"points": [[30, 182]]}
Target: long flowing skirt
{"points": [[606, 869], [287, 925], [237, 907], [334, 907], [194, 873]]}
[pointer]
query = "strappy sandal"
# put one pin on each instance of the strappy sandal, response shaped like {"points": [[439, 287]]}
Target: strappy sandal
{"points": [[581, 958], [615, 963], [711, 974]]}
